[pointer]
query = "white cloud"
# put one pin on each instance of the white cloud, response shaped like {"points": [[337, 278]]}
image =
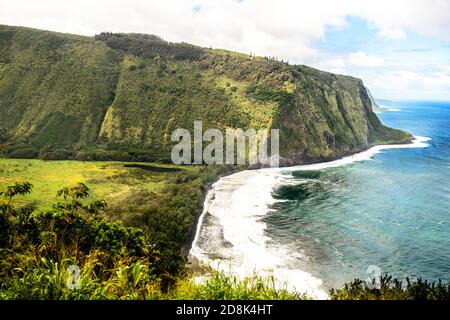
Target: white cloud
{"points": [[231, 24], [362, 59], [287, 29], [394, 18], [403, 83], [349, 63]]}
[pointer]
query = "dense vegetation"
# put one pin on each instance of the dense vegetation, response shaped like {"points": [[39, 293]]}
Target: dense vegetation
{"points": [[40, 249], [162, 200], [392, 289], [120, 96], [36, 248]]}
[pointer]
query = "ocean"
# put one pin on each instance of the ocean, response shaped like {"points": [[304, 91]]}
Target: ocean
{"points": [[316, 227]]}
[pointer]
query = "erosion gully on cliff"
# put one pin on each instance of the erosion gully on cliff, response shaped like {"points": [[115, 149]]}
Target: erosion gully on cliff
{"points": [[120, 96]]}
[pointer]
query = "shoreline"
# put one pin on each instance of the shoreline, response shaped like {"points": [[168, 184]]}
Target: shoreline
{"points": [[197, 265], [185, 249]]}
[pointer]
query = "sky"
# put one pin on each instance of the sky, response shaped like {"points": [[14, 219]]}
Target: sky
{"points": [[400, 48]]}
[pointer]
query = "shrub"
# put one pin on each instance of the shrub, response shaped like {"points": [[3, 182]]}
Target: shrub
{"points": [[37, 247], [220, 286], [392, 289]]}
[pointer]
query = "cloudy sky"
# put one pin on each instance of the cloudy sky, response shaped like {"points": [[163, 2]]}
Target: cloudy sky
{"points": [[400, 48]]}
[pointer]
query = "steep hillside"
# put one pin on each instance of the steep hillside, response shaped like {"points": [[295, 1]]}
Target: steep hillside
{"points": [[119, 97]]}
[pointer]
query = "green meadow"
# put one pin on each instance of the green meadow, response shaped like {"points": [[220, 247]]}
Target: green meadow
{"points": [[161, 200], [111, 181], [136, 257]]}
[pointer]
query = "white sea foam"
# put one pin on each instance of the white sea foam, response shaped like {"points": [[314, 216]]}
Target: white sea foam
{"points": [[388, 109], [418, 142], [231, 236], [237, 203]]}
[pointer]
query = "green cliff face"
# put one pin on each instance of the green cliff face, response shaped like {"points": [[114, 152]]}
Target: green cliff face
{"points": [[120, 96]]}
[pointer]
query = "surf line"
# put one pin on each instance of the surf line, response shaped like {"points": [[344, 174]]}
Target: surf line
{"points": [[239, 219]]}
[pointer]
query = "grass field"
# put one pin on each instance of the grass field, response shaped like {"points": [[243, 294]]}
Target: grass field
{"points": [[161, 200], [111, 181]]}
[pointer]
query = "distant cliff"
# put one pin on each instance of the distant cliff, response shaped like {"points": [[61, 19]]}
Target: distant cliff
{"points": [[120, 96], [375, 106]]}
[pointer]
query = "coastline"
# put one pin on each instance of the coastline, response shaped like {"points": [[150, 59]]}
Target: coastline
{"points": [[194, 229], [187, 246], [196, 263]]}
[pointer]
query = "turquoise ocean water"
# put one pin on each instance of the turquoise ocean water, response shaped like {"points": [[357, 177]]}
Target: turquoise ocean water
{"points": [[392, 211]]}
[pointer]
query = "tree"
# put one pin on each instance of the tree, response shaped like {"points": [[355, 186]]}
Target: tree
{"points": [[16, 190]]}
